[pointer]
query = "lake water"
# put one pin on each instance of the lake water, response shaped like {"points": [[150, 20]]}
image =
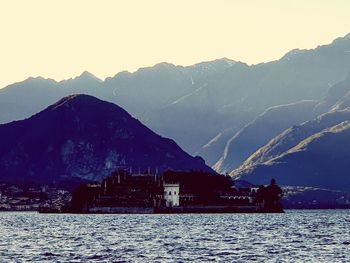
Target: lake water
{"points": [[315, 236]]}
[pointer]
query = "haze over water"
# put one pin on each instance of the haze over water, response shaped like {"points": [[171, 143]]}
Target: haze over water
{"points": [[316, 236]]}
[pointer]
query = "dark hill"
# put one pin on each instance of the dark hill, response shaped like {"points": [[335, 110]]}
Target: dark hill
{"points": [[81, 136]]}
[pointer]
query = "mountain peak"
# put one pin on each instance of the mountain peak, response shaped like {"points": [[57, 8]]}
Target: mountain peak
{"points": [[81, 101], [228, 61], [224, 60], [342, 40], [293, 53], [86, 75], [67, 99], [164, 65]]}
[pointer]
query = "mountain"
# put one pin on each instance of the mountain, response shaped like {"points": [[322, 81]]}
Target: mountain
{"points": [[274, 153], [293, 136], [320, 160], [197, 110], [240, 95], [82, 136], [258, 132], [332, 104]]}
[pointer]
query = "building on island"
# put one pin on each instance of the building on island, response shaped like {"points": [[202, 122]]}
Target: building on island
{"points": [[171, 192]]}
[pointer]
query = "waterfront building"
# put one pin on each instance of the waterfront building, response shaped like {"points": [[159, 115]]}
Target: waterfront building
{"points": [[171, 192]]}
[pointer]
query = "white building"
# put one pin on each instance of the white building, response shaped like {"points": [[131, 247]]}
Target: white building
{"points": [[171, 194]]}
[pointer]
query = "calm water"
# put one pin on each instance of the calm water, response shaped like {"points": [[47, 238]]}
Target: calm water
{"points": [[315, 236]]}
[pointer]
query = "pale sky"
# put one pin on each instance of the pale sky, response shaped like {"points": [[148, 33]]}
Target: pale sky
{"points": [[60, 39]]}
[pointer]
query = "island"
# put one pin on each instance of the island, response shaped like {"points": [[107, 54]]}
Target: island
{"points": [[172, 192]]}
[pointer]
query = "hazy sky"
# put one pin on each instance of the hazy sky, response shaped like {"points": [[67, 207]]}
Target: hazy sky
{"points": [[60, 39]]}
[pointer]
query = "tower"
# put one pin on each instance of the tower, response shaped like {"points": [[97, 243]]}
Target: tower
{"points": [[171, 194]]}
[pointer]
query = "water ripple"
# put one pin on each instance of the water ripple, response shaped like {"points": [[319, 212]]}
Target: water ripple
{"points": [[316, 236]]}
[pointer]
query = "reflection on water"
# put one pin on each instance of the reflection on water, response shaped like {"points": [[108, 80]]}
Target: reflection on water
{"points": [[317, 236]]}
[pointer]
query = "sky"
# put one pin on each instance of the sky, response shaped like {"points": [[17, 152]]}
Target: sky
{"points": [[60, 39]]}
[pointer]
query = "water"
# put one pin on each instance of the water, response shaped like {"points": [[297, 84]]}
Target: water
{"points": [[315, 236]]}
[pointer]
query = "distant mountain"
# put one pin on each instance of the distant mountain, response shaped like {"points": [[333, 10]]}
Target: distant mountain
{"points": [[195, 118], [321, 160], [81, 136], [258, 132], [302, 197], [241, 94]]}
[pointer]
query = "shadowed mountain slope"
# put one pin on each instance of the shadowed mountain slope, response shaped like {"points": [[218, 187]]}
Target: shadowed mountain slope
{"points": [[321, 160], [257, 133], [294, 135], [81, 136]]}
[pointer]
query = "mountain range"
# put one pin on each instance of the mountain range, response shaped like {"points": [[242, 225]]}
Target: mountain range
{"points": [[195, 104], [242, 119]]}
